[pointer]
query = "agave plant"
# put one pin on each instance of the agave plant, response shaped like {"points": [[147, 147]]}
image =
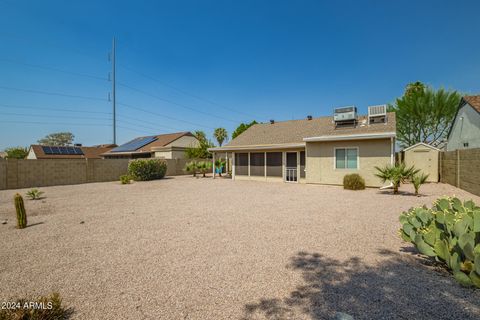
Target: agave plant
{"points": [[397, 174], [34, 194], [418, 180]]}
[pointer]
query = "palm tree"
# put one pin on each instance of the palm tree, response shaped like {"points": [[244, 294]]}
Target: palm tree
{"points": [[397, 174], [418, 180], [191, 167], [204, 167], [221, 135]]}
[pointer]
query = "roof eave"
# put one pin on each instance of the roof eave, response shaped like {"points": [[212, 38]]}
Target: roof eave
{"points": [[366, 136], [259, 147]]}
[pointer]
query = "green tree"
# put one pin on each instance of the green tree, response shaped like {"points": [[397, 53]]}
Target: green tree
{"points": [[200, 151], [423, 114], [58, 139], [241, 128], [16, 152], [220, 135]]}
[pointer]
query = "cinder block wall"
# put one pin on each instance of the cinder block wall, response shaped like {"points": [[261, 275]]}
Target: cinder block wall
{"points": [[16, 174], [461, 168]]}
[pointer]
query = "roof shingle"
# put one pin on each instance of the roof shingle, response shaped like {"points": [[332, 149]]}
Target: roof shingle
{"points": [[294, 131], [474, 101]]}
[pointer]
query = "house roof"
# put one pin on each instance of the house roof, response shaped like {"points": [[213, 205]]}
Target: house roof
{"points": [[474, 101], [88, 152], [294, 132], [161, 140]]}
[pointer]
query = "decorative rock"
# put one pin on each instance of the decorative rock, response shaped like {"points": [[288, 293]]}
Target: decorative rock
{"points": [[343, 316], [4, 222]]}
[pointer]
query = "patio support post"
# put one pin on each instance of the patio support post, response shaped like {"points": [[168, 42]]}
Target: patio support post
{"points": [[233, 165], [284, 156], [213, 160], [392, 152], [265, 165], [298, 166], [249, 164]]}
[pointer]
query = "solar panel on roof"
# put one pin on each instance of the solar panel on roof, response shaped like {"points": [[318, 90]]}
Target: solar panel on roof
{"points": [[135, 144], [62, 150]]}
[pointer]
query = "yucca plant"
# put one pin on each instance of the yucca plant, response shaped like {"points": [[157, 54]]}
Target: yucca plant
{"points": [[418, 180], [397, 174]]}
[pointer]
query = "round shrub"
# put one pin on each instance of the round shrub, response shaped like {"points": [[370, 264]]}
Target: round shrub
{"points": [[353, 181], [147, 169]]}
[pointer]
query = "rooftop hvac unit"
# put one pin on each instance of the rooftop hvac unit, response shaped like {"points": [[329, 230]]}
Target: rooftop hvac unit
{"points": [[345, 114], [377, 114]]}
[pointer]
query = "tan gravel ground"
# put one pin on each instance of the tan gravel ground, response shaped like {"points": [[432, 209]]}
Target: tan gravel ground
{"points": [[186, 248]]}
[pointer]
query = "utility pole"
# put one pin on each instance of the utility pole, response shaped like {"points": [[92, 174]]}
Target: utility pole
{"points": [[113, 93]]}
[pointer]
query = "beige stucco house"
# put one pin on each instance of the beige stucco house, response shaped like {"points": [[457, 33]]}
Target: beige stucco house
{"points": [[315, 150], [165, 146]]}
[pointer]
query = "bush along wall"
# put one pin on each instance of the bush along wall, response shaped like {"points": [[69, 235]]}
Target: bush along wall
{"points": [[448, 232], [147, 169]]}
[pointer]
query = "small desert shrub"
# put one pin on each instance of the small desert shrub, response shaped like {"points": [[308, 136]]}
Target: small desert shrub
{"points": [[447, 232], [147, 169], [191, 167], [204, 167], [419, 179], [42, 308], [34, 194], [353, 181], [125, 179]]}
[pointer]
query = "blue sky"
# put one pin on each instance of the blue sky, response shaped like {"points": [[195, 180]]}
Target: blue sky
{"points": [[232, 61]]}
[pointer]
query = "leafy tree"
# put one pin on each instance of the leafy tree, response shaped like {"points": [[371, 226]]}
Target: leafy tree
{"points": [[201, 151], [241, 128], [220, 135], [58, 139], [423, 114], [16, 152]]}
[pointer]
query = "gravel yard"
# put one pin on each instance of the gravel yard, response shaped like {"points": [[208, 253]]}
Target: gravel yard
{"points": [[186, 248]]}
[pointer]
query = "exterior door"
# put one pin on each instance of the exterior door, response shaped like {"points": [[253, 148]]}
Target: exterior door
{"points": [[291, 174]]}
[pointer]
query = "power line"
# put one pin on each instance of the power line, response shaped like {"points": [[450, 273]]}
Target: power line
{"points": [[49, 109], [187, 93], [162, 116], [55, 123], [151, 123], [136, 130], [49, 116], [175, 103], [52, 93], [55, 69]]}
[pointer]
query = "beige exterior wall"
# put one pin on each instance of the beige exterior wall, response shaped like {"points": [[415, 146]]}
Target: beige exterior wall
{"points": [[425, 159], [170, 154], [185, 141], [31, 154], [320, 160]]}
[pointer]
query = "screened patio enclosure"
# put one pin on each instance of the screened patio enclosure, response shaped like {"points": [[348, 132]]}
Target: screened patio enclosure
{"points": [[288, 166]]}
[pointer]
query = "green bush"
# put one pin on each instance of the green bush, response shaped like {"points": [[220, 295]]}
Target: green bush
{"points": [[353, 181], [125, 179], [147, 169], [44, 308], [448, 232], [191, 167]]}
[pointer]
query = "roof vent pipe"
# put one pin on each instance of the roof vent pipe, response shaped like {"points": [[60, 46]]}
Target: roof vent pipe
{"points": [[309, 117], [272, 121]]}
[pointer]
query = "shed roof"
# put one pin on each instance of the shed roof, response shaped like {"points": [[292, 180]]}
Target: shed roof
{"points": [[421, 144]]}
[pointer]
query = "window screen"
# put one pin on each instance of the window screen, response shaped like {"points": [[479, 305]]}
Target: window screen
{"points": [[274, 164], [346, 158], [257, 164], [241, 163]]}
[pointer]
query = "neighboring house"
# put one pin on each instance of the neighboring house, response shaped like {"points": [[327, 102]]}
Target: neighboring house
{"points": [[68, 152], [3, 155], [465, 130], [166, 146], [315, 150]]}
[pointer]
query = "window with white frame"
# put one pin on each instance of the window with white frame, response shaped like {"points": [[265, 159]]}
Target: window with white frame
{"points": [[346, 158]]}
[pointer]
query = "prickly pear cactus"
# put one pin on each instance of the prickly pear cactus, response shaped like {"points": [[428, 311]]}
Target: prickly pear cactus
{"points": [[448, 232], [21, 213]]}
